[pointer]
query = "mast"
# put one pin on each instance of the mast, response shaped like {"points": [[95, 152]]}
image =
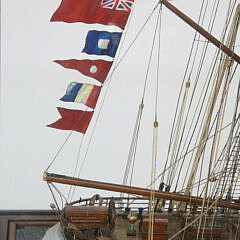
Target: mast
{"points": [[50, 177]]}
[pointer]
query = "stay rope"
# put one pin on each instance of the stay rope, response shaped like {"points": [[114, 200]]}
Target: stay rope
{"points": [[224, 30], [211, 104], [133, 147], [152, 201], [179, 95]]}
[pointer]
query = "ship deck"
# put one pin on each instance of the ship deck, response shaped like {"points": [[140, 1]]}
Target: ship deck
{"points": [[175, 224]]}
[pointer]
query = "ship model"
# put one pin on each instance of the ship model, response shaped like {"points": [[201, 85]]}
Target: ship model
{"points": [[197, 194]]}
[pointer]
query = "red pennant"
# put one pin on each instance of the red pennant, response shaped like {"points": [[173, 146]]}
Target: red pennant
{"points": [[76, 120], [97, 69], [108, 12]]}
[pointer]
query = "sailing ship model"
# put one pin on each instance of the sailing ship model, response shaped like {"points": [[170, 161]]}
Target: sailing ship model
{"points": [[196, 195]]}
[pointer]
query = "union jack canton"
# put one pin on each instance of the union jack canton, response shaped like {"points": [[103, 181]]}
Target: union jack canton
{"points": [[124, 5]]}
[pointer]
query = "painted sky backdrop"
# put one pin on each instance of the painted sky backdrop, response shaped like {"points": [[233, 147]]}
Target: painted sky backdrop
{"points": [[32, 84]]}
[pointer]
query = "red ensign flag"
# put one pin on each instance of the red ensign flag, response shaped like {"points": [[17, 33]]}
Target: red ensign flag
{"points": [[108, 12]]}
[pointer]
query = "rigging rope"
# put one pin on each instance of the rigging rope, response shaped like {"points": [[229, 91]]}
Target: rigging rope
{"points": [[153, 175], [180, 92], [133, 144], [176, 136], [76, 166], [190, 151], [199, 70], [207, 121], [222, 108], [152, 202], [133, 148]]}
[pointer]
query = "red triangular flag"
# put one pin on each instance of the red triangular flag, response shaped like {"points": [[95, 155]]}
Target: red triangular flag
{"points": [[108, 12], [76, 120], [97, 69]]}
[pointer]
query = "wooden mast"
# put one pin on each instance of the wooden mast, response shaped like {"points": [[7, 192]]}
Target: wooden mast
{"points": [[50, 177], [202, 31]]}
